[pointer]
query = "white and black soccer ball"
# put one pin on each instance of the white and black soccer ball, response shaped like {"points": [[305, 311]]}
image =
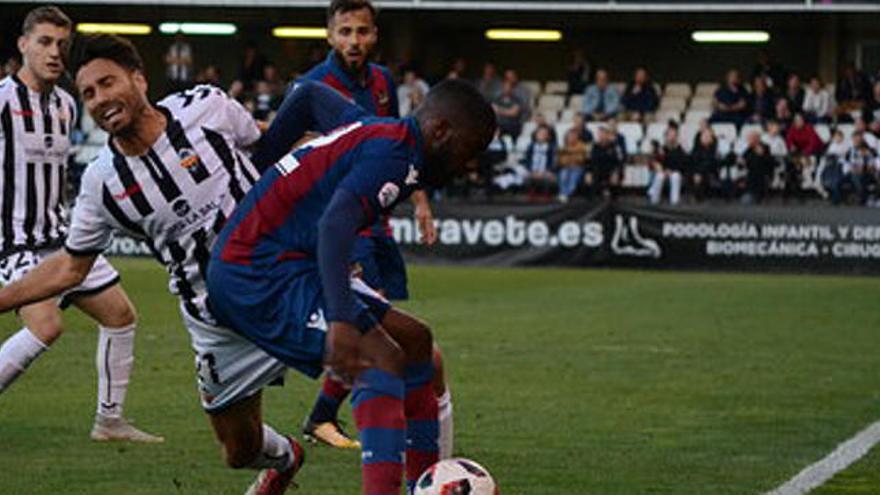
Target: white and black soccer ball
{"points": [[456, 477]]}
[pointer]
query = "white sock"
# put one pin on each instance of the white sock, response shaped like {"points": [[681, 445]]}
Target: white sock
{"points": [[444, 405], [277, 452], [16, 355], [114, 360]]}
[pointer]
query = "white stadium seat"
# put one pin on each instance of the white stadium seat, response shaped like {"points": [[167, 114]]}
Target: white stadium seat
{"points": [[567, 115], [556, 87], [701, 103], [534, 87], [823, 131], [553, 103], [678, 89], [725, 132], [696, 116], [664, 116], [561, 128], [636, 176], [576, 102], [847, 130], [632, 134], [706, 89], [686, 134], [678, 103]]}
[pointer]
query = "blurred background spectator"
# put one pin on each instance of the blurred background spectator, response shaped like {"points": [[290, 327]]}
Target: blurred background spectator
{"points": [[601, 100]]}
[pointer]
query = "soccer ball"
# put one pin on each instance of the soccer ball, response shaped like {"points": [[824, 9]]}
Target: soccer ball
{"points": [[456, 477]]}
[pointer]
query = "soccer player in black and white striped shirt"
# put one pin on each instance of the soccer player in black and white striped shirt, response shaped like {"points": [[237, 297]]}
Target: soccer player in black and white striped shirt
{"points": [[36, 119]]}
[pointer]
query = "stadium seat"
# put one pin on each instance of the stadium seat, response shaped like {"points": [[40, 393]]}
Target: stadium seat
{"points": [[556, 87], [551, 103], [706, 89], [847, 130], [551, 116], [654, 132], [567, 115], [561, 128], [534, 87], [747, 128], [696, 116], [725, 132], [528, 128], [664, 116], [522, 143], [823, 131], [620, 87], [593, 127], [632, 134], [636, 176], [678, 89], [576, 102], [701, 103], [677, 103], [686, 134]]}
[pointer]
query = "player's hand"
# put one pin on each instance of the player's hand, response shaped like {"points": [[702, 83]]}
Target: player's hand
{"points": [[425, 221], [343, 351]]}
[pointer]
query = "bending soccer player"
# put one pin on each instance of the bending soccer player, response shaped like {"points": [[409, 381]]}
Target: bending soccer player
{"points": [[36, 120], [280, 269], [171, 174], [352, 34]]}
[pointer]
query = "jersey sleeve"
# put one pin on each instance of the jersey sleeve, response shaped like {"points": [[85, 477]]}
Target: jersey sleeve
{"points": [[378, 177], [90, 230], [244, 128]]}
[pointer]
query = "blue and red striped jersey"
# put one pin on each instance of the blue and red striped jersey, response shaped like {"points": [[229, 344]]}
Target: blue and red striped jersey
{"points": [[378, 160]]}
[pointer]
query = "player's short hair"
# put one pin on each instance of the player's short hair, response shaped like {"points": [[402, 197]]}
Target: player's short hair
{"points": [[109, 46], [463, 106], [345, 6], [47, 14]]}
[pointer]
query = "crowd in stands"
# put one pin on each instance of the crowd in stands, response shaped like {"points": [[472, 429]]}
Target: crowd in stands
{"points": [[590, 136]]}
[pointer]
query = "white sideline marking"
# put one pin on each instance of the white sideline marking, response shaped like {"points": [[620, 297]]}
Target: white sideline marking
{"points": [[843, 456]]}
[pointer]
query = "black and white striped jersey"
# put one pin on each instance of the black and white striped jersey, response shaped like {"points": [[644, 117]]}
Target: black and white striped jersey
{"points": [[178, 195], [34, 148]]}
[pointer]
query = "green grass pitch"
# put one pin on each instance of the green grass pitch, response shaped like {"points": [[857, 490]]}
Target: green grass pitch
{"points": [[564, 382]]}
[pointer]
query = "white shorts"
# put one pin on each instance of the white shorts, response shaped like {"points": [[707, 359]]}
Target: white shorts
{"points": [[229, 367], [101, 276]]}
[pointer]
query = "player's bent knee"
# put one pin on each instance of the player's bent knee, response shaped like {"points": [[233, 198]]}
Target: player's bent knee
{"points": [[383, 352]]}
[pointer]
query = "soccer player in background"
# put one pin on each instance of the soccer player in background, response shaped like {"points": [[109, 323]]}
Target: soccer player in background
{"points": [[352, 34], [36, 119], [280, 270], [171, 174]]}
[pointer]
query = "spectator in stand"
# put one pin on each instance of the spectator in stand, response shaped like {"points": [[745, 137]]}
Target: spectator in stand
{"points": [[579, 73], [601, 100], [209, 75], [494, 155], [783, 115], [804, 147], [458, 69], [830, 171], [510, 111], [540, 120], [759, 165], [761, 101], [578, 122], [871, 110], [670, 164], [489, 83], [774, 140], [179, 64], [794, 93], [266, 102], [411, 92], [252, 64], [640, 97], [853, 90], [818, 104], [705, 162], [523, 93], [540, 160], [867, 135], [572, 161], [619, 138], [859, 167], [12, 65], [772, 72], [604, 173], [730, 102]]}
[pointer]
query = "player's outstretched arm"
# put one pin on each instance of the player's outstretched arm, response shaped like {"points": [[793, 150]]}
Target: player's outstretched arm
{"points": [[54, 275], [308, 106]]}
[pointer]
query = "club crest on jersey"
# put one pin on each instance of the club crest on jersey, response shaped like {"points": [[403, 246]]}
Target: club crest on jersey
{"points": [[388, 194], [188, 158], [181, 208]]}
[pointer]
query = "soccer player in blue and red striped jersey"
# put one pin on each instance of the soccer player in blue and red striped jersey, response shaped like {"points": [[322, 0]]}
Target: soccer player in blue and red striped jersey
{"points": [[279, 273], [352, 34]]}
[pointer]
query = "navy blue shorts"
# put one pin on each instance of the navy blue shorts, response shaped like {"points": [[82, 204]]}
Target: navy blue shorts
{"points": [[282, 310], [382, 265]]}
